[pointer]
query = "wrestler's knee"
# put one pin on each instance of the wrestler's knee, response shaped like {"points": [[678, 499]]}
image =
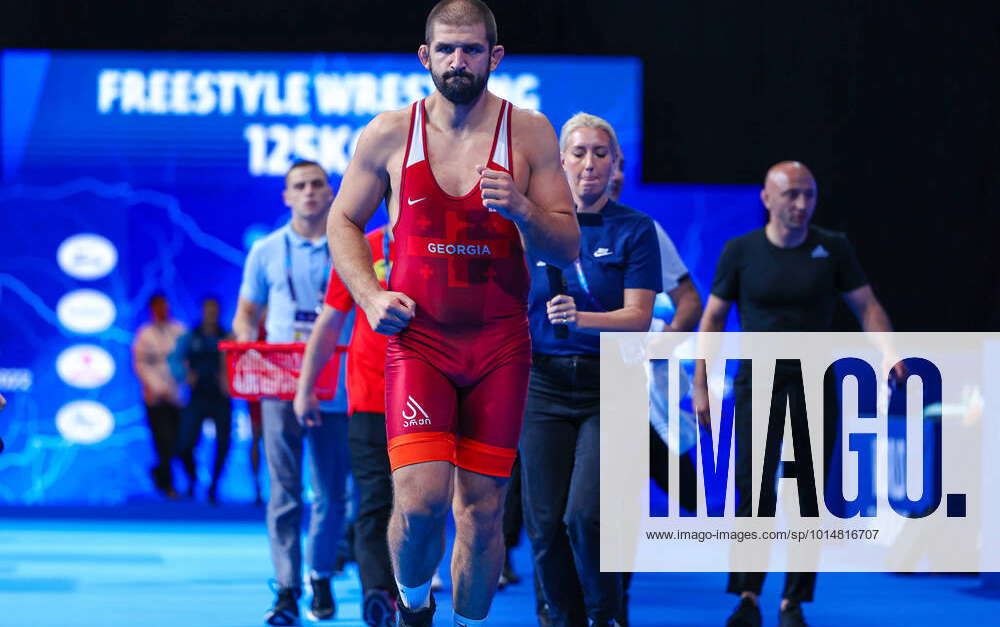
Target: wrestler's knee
{"points": [[426, 509], [421, 496], [481, 517]]}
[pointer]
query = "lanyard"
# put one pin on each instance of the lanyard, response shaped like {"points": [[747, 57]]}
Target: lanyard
{"points": [[385, 254], [582, 280], [588, 219], [288, 270]]}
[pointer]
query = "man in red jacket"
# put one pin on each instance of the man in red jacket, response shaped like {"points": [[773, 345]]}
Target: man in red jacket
{"points": [[366, 428]]}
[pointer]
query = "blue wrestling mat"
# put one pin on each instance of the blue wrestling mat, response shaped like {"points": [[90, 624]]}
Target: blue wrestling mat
{"points": [[211, 570]]}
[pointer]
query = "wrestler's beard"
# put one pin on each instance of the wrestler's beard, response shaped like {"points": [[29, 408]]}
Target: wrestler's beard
{"points": [[460, 92]]}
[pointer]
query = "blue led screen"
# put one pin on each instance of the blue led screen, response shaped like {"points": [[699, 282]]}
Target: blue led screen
{"points": [[128, 173]]}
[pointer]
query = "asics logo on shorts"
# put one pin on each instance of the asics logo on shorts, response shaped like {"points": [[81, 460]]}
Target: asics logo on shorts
{"points": [[410, 418]]}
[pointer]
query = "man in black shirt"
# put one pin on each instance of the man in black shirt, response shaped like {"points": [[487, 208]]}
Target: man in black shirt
{"points": [[786, 276]]}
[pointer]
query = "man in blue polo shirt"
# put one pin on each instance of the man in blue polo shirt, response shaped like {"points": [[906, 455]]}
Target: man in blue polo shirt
{"points": [[287, 271]]}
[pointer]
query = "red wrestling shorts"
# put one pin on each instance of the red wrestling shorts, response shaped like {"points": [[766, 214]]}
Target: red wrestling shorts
{"points": [[457, 395]]}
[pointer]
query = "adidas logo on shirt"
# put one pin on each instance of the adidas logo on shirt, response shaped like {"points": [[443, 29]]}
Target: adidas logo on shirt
{"points": [[819, 252]]}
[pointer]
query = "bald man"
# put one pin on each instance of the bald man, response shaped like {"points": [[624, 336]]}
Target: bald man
{"points": [[786, 276]]}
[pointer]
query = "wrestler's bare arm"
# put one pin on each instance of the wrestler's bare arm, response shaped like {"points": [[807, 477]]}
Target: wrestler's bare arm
{"points": [[544, 213], [365, 184], [553, 233]]}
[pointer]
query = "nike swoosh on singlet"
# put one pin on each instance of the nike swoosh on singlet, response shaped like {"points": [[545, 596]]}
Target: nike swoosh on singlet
{"points": [[412, 202]]}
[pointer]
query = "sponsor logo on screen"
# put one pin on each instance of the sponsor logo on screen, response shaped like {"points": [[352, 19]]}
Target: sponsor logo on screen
{"points": [[86, 311], [85, 366], [15, 379], [87, 256], [85, 422]]}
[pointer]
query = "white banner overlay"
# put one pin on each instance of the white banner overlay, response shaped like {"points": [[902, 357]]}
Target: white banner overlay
{"points": [[842, 466]]}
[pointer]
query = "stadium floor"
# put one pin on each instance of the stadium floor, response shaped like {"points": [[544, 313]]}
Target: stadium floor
{"points": [[204, 567]]}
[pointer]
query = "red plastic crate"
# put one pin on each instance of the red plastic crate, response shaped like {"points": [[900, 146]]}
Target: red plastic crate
{"points": [[257, 370]]}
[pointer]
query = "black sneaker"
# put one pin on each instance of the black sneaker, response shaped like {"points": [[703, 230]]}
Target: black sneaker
{"points": [[746, 614], [323, 607], [507, 575], [286, 608], [542, 612], [424, 617], [379, 609], [622, 617], [437, 584], [792, 616]]}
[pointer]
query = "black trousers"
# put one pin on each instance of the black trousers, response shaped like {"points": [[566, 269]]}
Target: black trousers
{"points": [[513, 511], [560, 473], [659, 469], [370, 464], [799, 586], [220, 410], [659, 472], [164, 424]]}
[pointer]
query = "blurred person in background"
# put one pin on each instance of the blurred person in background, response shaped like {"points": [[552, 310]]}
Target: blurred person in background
{"points": [[256, 439], [677, 308], [610, 287], [679, 299], [366, 427], [256, 423], [513, 524], [287, 271], [154, 342], [784, 277], [617, 181], [203, 363]]}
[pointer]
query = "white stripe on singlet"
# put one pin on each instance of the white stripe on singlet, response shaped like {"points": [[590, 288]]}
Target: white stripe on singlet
{"points": [[501, 151], [416, 136]]}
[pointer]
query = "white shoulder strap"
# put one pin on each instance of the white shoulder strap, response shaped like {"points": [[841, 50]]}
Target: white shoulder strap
{"points": [[416, 152], [501, 152]]}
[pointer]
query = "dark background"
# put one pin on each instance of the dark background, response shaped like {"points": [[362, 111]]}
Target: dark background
{"points": [[891, 104]]}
